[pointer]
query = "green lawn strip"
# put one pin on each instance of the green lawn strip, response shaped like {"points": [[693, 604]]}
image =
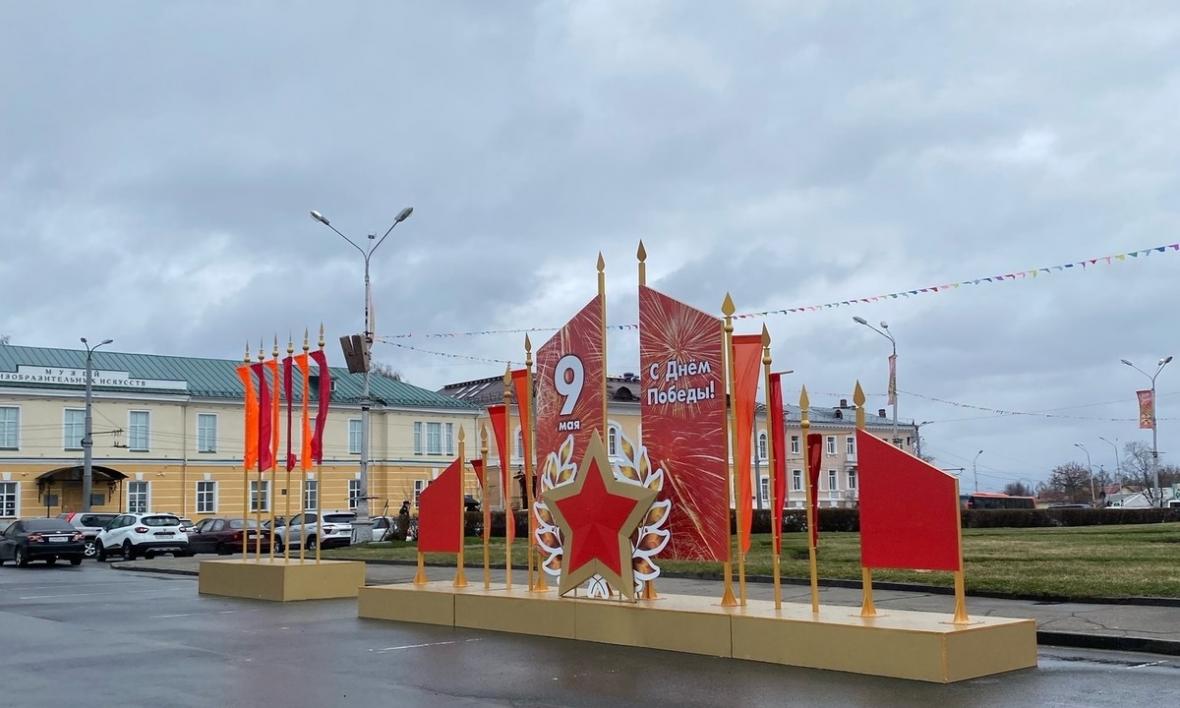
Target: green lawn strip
{"points": [[1078, 562]]}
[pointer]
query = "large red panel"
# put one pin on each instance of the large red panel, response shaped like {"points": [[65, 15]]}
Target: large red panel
{"points": [[440, 512], [570, 381], [908, 510]]}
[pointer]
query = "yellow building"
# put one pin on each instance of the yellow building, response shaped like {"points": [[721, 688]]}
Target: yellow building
{"points": [[838, 465], [168, 434]]}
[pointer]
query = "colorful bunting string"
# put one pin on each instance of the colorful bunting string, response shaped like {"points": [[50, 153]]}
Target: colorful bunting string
{"points": [[1084, 264], [448, 355]]}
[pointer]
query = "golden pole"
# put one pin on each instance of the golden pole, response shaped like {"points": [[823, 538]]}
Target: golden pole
{"points": [[506, 477], [727, 309], [487, 510], [649, 587], [601, 266], [302, 471], [960, 580], [319, 487], [246, 473], [775, 508], [420, 576], [258, 482], [813, 566], [538, 583], [287, 508], [274, 471], [867, 608], [460, 575]]}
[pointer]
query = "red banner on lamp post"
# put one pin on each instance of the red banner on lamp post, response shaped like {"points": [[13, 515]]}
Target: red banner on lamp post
{"points": [[1146, 408]]}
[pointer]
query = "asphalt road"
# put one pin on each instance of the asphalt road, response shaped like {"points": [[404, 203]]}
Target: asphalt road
{"points": [[94, 636]]}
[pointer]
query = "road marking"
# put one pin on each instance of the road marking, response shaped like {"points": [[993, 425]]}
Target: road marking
{"points": [[87, 594], [419, 646]]}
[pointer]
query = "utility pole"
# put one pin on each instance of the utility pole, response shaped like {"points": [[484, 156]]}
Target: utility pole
{"points": [[362, 526], [975, 470], [87, 434]]}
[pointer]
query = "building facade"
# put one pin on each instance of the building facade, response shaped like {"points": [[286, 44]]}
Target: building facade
{"points": [[168, 437]]}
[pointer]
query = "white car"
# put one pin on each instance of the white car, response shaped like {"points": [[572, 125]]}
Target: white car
{"points": [[130, 535], [336, 530]]}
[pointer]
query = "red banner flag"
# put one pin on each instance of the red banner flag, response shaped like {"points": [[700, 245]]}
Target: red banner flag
{"points": [[288, 381], [265, 419], [477, 465], [325, 397], [304, 364], [498, 414], [815, 444], [892, 379], [909, 515], [570, 383], [747, 360], [276, 405], [524, 399], [681, 351], [1146, 408], [250, 456], [778, 438], [440, 512]]}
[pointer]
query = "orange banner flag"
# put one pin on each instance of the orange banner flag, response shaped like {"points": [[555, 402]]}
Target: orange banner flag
{"points": [[250, 457], [277, 389], [304, 364], [747, 361]]}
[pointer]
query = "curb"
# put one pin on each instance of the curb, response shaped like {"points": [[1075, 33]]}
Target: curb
{"points": [[158, 571]]}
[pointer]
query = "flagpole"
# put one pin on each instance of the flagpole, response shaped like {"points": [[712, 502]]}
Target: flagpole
{"points": [[601, 266], [530, 473], [487, 510], [867, 608], [460, 574], [960, 580], [304, 445], [274, 470], [506, 477], [258, 481], [727, 309], [288, 465], [775, 506], [649, 587], [319, 487], [805, 430], [246, 467]]}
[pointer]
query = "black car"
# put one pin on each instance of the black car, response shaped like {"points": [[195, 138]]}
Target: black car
{"points": [[49, 540]]}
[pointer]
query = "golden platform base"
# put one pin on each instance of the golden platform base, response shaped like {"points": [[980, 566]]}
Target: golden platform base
{"points": [[279, 580], [920, 646]]}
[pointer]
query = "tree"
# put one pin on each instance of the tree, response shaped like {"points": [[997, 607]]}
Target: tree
{"points": [[1070, 481], [3, 339], [380, 369], [1018, 489], [1139, 475]]}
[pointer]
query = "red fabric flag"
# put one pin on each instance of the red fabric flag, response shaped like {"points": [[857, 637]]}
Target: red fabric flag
{"points": [[681, 351], [477, 465], [778, 438], [524, 397], [499, 417], [250, 456], [276, 406], [815, 444], [440, 512], [265, 419], [288, 380], [304, 364], [909, 516], [747, 358], [325, 395], [1146, 408]]}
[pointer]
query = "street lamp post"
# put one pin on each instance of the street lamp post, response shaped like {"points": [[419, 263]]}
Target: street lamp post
{"points": [[918, 436], [1090, 468], [975, 471], [1118, 466], [362, 524], [884, 332], [87, 434], [1155, 453]]}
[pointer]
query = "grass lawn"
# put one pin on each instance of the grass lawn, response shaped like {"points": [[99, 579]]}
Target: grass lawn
{"points": [[1081, 562]]}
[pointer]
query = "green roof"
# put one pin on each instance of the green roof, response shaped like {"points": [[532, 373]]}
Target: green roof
{"points": [[209, 378]]}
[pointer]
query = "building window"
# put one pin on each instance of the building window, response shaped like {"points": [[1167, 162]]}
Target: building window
{"points": [[206, 432], [138, 497], [419, 485], [612, 441], [260, 496], [850, 447], [354, 493], [354, 436], [9, 499], [794, 444], [852, 479], [797, 480], [73, 428], [310, 494], [832, 481], [206, 497], [450, 438], [519, 449], [434, 438], [762, 447], [764, 484], [138, 431], [417, 437], [831, 444], [9, 428]]}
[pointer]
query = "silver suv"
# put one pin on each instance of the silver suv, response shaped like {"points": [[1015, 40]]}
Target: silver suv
{"points": [[336, 530], [89, 523]]}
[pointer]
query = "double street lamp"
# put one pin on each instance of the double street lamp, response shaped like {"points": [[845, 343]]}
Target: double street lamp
{"points": [[362, 525], [1155, 453], [87, 434], [1090, 469], [884, 332]]}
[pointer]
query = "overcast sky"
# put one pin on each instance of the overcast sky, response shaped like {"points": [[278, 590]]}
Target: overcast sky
{"points": [[158, 160]]}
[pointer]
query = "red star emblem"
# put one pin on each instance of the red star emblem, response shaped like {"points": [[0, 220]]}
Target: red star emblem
{"points": [[597, 515]]}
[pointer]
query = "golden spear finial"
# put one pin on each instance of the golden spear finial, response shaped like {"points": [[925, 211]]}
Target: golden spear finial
{"points": [[261, 354], [306, 346], [321, 335], [858, 397], [601, 262], [247, 355], [507, 383], [462, 435], [727, 306], [804, 406], [275, 352], [641, 254], [290, 343]]}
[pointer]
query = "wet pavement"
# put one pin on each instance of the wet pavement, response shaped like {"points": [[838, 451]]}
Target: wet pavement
{"points": [[94, 636]]}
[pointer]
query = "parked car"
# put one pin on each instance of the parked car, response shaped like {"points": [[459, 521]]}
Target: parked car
{"points": [[335, 530], [89, 523], [130, 535], [223, 536], [384, 527], [49, 540]]}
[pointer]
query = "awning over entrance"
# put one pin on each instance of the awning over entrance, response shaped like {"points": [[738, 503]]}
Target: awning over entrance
{"points": [[74, 474]]}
